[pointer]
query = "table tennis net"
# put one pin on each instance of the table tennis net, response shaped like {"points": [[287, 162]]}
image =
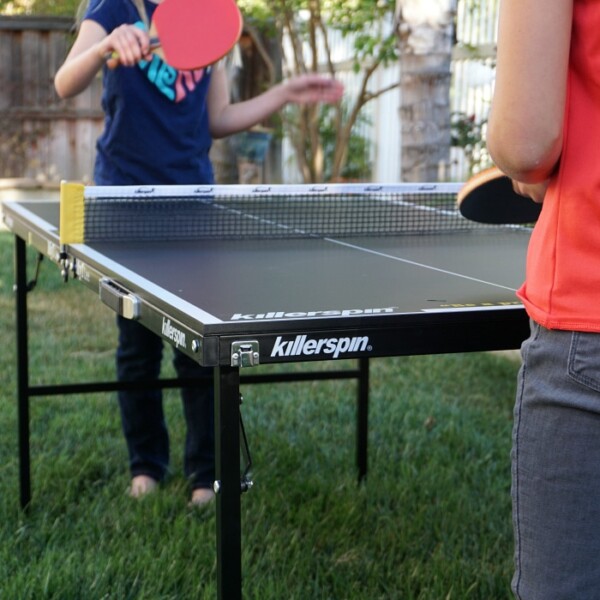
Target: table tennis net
{"points": [[166, 213]]}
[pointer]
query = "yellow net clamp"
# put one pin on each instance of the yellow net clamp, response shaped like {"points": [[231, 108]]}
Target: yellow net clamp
{"points": [[71, 226], [71, 222]]}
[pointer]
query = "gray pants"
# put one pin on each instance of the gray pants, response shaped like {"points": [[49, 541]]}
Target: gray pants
{"points": [[556, 467]]}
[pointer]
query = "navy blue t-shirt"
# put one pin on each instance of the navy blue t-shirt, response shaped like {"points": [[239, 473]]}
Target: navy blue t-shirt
{"points": [[156, 119]]}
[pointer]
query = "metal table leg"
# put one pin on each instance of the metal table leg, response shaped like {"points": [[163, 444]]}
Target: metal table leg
{"points": [[227, 484], [22, 370]]}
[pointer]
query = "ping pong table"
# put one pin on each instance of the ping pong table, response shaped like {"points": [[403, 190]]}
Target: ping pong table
{"points": [[235, 301]]}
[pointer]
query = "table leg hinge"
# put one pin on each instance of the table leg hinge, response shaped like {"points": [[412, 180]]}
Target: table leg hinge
{"points": [[245, 354]]}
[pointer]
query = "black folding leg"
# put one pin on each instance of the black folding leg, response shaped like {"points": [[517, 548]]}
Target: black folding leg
{"points": [[228, 484], [362, 418], [22, 370]]}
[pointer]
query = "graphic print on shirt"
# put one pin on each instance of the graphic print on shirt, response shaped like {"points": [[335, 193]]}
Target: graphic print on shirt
{"points": [[174, 84]]}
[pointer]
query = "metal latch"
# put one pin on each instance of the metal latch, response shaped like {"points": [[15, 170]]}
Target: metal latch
{"points": [[119, 299], [245, 354]]}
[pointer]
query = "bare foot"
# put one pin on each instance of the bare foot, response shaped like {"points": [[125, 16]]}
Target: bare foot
{"points": [[201, 497], [142, 485]]}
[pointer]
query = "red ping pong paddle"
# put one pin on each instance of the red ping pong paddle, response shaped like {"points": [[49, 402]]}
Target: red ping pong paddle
{"points": [[489, 197], [191, 34]]}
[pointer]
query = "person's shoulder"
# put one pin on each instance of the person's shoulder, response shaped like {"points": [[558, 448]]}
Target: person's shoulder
{"points": [[111, 13]]}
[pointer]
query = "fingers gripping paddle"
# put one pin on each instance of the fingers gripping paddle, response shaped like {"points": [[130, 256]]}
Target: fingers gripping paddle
{"points": [[489, 197], [191, 34]]}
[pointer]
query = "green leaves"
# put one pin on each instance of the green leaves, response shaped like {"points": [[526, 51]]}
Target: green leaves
{"points": [[65, 8], [338, 37]]}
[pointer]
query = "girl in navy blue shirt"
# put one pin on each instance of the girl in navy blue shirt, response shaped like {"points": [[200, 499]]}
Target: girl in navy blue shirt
{"points": [[158, 128]]}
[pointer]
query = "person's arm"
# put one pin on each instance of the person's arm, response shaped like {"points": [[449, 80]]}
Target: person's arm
{"points": [[89, 52], [226, 118], [526, 119]]}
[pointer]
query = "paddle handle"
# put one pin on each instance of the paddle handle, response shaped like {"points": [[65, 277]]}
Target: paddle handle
{"points": [[112, 58]]}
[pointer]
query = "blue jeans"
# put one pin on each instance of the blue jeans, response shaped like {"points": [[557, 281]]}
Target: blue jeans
{"points": [[139, 356], [556, 467]]}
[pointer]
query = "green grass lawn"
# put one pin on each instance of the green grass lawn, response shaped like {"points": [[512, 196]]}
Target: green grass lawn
{"points": [[432, 520]]}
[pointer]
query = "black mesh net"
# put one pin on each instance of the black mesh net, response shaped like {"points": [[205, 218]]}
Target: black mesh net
{"points": [[269, 215]]}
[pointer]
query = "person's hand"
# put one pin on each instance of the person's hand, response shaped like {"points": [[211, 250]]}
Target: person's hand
{"points": [[130, 43], [535, 191], [312, 88]]}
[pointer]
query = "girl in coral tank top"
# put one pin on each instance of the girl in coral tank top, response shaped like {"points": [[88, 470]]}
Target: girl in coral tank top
{"points": [[544, 133]]}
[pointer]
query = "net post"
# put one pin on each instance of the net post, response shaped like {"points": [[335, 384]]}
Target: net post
{"points": [[71, 226]]}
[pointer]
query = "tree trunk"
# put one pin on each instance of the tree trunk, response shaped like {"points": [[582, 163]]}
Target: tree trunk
{"points": [[425, 33]]}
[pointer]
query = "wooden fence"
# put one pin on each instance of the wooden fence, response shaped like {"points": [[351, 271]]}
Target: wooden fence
{"points": [[43, 138]]}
